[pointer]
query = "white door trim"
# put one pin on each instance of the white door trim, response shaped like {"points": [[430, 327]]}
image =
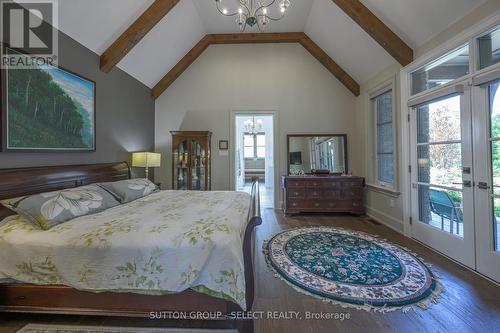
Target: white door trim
{"points": [[276, 148]]}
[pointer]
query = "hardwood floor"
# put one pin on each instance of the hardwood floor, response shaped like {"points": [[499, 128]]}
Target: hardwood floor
{"points": [[469, 304]]}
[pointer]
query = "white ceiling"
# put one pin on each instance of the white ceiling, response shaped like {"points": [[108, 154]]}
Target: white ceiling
{"points": [[97, 23]]}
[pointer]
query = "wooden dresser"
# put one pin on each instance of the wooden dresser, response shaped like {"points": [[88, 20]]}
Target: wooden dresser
{"points": [[323, 194]]}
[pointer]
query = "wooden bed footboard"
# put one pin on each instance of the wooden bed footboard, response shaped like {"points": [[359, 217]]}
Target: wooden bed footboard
{"points": [[29, 298]]}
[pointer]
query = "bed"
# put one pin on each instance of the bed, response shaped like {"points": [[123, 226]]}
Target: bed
{"points": [[127, 260]]}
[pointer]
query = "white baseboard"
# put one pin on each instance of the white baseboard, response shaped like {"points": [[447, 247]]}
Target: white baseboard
{"points": [[385, 219]]}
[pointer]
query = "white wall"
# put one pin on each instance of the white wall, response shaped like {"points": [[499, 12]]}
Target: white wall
{"points": [[282, 77]]}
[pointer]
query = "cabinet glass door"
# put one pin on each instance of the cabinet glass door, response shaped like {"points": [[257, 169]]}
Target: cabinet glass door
{"points": [[198, 166], [181, 155]]}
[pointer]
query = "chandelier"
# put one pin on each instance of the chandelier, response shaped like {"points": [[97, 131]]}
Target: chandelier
{"points": [[254, 12], [252, 126]]}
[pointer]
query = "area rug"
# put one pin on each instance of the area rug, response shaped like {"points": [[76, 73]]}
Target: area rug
{"points": [[351, 269], [43, 328]]}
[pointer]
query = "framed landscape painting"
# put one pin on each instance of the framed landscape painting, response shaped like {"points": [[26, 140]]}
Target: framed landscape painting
{"points": [[48, 108]]}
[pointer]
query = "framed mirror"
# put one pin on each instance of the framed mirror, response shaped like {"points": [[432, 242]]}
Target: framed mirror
{"points": [[307, 152]]}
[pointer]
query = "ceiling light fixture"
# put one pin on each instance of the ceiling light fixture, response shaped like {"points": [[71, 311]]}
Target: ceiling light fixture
{"points": [[253, 12]]}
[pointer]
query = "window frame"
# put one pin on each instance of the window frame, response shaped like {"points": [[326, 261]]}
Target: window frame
{"points": [[255, 145], [373, 180]]}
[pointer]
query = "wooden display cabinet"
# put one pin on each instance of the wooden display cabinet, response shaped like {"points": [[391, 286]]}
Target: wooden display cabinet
{"points": [[191, 165]]}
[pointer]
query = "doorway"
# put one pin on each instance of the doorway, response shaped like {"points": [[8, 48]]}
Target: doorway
{"points": [[254, 154]]}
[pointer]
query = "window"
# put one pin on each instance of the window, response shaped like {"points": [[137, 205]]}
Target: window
{"points": [[442, 71], [488, 47], [254, 145], [384, 143]]}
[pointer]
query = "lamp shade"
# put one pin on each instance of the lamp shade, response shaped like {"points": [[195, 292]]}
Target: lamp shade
{"points": [[146, 159]]}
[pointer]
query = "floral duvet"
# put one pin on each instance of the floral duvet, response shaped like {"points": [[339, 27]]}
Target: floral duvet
{"points": [[163, 243]]}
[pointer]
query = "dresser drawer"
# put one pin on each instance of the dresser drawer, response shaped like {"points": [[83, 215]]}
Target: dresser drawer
{"points": [[332, 194], [294, 204], [296, 192], [354, 193], [295, 183], [313, 193]]}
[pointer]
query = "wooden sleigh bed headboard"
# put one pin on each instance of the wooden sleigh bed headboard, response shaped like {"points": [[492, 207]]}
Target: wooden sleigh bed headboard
{"points": [[24, 181]]}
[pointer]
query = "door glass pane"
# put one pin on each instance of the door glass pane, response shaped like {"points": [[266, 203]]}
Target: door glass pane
{"points": [[440, 164], [448, 68], [441, 209], [439, 161], [439, 121], [494, 97], [496, 222], [495, 164], [489, 48]]}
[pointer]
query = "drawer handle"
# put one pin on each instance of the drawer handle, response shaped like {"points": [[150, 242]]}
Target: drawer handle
{"points": [[296, 193], [294, 204], [316, 204]]}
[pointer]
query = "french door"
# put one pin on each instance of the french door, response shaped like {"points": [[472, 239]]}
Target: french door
{"points": [[442, 175], [455, 161], [487, 174]]}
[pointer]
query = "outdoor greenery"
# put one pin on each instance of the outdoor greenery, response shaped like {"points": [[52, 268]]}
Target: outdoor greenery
{"points": [[445, 160], [42, 114]]}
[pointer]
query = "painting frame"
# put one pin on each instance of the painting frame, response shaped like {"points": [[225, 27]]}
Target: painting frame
{"points": [[4, 120]]}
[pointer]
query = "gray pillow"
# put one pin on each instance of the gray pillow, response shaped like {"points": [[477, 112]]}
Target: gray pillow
{"points": [[52, 208], [130, 189]]}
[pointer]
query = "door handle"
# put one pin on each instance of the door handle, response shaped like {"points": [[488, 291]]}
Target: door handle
{"points": [[465, 183], [483, 185]]}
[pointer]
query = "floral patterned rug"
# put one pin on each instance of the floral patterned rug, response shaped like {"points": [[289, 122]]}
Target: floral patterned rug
{"points": [[352, 269]]}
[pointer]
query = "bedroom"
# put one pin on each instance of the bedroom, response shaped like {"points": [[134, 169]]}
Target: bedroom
{"points": [[370, 125]]}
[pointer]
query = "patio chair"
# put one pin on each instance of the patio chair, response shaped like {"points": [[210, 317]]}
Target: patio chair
{"points": [[442, 205]]}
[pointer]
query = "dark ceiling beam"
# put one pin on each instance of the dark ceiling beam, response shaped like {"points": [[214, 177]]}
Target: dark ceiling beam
{"points": [[283, 37], [134, 34], [370, 23]]}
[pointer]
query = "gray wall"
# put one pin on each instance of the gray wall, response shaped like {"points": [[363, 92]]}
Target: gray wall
{"points": [[124, 114]]}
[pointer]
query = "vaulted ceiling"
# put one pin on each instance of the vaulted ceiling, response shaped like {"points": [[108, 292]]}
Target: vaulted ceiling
{"points": [[98, 23]]}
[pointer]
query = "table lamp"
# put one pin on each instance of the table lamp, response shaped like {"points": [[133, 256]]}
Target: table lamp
{"points": [[146, 160]]}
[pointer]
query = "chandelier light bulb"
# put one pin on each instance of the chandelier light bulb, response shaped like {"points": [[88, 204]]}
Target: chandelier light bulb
{"points": [[224, 11], [240, 11]]}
